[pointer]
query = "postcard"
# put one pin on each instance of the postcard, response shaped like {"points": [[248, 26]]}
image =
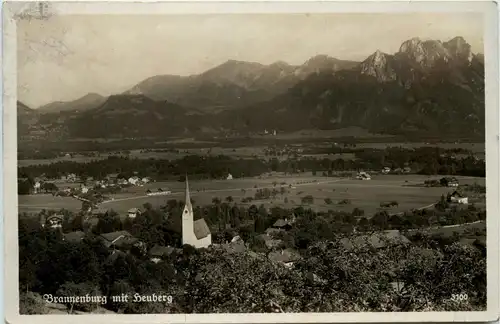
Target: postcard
{"points": [[251, 162]]}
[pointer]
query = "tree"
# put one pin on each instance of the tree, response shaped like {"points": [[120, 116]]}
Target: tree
{"points": [[71, 290], [229, 199], [363, 224], [24, 188], [49, 187], [328, 201], [77, 223], [31, 304], [380, 220]]}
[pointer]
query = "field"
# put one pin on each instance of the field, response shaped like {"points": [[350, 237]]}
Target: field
{"points": [[366, 195], [35, 203], [249, 151]]}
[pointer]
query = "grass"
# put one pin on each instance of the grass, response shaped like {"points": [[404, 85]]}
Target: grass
{"points": [[35, 203], [366, 195]]}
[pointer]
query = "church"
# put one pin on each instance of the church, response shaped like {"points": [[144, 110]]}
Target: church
{"points": [[195, 233]]}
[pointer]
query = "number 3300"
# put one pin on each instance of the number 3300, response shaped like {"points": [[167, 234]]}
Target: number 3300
{"points": [[459, 297]]}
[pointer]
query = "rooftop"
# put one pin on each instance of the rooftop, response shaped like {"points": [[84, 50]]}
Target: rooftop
{"points": [[160, 251], [201, 229], [285, 256]]}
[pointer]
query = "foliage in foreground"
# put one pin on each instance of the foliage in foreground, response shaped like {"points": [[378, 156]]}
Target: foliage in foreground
{"points": [[329, 278]]}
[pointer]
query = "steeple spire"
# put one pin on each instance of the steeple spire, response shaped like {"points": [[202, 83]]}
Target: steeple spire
{"points": [[187, 197]]}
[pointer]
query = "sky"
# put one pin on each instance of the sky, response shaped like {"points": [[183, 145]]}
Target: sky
{"points": [[65, 57]]}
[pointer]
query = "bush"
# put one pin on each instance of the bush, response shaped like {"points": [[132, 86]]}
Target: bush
{"points": [[31, 304]]}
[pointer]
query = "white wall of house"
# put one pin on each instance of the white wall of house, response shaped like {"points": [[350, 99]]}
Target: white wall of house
{"points": [[460, 200]]}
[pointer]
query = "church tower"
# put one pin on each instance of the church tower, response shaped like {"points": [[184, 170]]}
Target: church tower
{"points": [[187, 218], [195, 233]]}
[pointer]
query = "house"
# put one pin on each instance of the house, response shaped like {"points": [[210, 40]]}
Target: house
{"points": [[376, 240], [406, 170], [283, 224], [133, 180], [457, 197], [122, 182], [363, 176], [145, 180], [120, 240], [84, 189], [112, 177], [195, 233], [71, 177], [386, 170], [229, 177], [37, 187], [269, 241], [74, 237], [287, 257], [449, 182], [53, 221], [273, 231], [159, 253], [236, 246], [133, 212]]}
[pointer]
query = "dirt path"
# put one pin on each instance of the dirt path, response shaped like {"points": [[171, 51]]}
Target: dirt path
{"points": [[193, 193]]}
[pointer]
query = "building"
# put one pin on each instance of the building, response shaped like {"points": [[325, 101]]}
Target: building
{"points": [[133, 212], [229, 177], [283, 224], [52, 221], [133, 180], [121, 240], [386, 170], [363, 176], [287, 257], [37, 187], [195, 233], [449, 182], [84, 189], [457, 197], [160, 253], [377, 240]]}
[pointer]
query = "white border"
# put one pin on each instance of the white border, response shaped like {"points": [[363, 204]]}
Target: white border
{"points": [[490, 11]]}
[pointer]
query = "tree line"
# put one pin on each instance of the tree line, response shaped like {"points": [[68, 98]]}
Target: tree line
{"points": [[422, 160]]}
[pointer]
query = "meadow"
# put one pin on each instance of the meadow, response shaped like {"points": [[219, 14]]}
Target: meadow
{"points": [[365, 195], [250, 151]]}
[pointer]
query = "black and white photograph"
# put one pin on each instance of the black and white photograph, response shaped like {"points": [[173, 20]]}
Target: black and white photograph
{"points": [[287, 162]]}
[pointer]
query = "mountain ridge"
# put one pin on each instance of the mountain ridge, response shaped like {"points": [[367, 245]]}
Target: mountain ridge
{"points": [[426, 86]]}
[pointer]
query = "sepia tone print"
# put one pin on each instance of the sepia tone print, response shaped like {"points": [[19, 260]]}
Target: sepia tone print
{"points": [[251, 163]]}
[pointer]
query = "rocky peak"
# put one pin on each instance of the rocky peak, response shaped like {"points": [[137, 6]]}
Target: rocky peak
{"points": [[424, 53], [379, 65], [459, 48]]}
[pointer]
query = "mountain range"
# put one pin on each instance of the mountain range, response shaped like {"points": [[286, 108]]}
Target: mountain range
{"points": [[426, 86]]}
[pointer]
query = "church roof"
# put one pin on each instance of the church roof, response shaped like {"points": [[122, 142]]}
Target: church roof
{"points": [[201, 229]]}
